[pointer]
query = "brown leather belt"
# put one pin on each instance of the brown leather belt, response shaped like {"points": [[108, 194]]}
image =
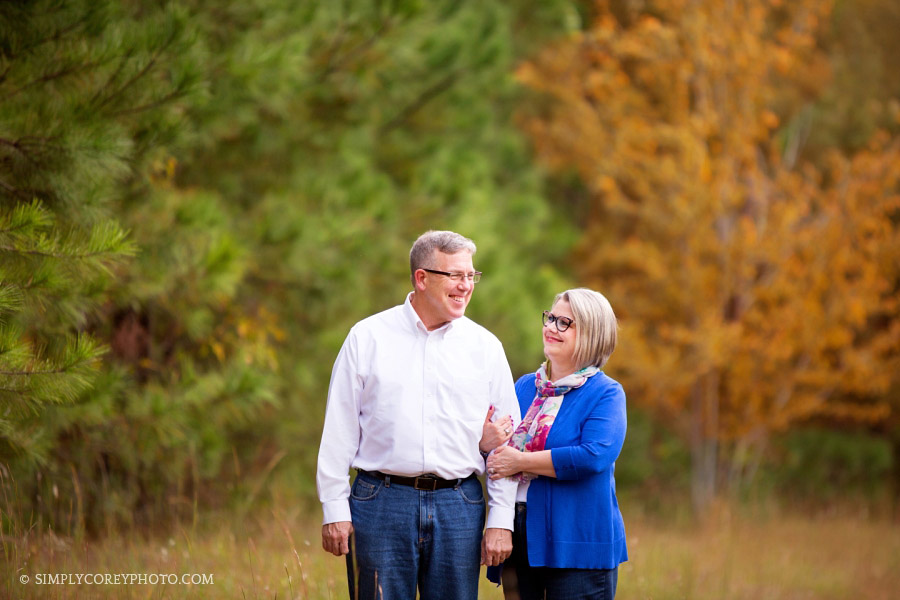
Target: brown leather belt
{"points": [[427, 483]]}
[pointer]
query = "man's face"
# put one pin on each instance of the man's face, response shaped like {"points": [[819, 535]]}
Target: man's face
{"points": [[443, 299]]}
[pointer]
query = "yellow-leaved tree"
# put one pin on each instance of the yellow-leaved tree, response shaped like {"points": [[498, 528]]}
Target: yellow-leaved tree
{"points": [[754, 291]]}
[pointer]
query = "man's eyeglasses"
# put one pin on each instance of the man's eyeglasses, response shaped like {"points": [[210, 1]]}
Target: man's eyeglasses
{"points": [[562, 323], [474, 277]]}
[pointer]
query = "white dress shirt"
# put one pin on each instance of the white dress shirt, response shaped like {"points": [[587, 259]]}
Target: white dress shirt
{"points": [[407, 401]]}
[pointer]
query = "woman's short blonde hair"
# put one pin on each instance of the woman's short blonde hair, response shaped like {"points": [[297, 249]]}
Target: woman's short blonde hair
{"points": [[595, 326]]}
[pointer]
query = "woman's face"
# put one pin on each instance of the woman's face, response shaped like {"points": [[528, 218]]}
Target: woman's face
{"points": [[559, 346]]}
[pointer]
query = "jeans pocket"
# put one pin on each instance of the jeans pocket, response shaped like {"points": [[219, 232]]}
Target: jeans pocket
{"points": [[474, 495], [364, 490]]}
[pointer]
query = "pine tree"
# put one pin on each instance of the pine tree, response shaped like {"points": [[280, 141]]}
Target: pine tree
{"points": [[357, 128], [86, 89], [265, 214]]}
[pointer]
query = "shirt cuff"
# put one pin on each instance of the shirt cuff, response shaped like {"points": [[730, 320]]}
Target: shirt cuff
{"points": [[335, 511], [501, 517]]}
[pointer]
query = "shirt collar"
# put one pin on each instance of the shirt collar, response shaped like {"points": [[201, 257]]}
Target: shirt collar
{"points": [[412, 319]]}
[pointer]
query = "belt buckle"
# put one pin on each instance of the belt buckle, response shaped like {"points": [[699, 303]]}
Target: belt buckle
{"points": [[417, 484]]}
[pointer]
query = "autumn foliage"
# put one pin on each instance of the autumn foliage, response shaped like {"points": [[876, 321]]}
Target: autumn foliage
{"points": [[755, 289]]}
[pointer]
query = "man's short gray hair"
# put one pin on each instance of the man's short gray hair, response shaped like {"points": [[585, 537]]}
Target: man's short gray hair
{"points": [[423, 249]]}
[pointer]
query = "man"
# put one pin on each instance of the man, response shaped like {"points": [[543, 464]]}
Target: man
{"points": [[407, 401]]}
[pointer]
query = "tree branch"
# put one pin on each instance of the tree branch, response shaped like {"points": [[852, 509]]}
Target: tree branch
{"points": [[30, 373], [12, 190], [333, 66], [426, 96], [57, 35], [114, 76], [51, 76], [137, 76], [54, 254], [151, 105]]}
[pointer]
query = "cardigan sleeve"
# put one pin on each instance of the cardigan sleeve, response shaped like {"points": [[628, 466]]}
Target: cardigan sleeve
{"points": [[602, 437]]}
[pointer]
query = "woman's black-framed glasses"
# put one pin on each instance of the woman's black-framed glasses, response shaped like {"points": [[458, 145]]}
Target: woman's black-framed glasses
{"points": [[474, 276], [562, 323]]}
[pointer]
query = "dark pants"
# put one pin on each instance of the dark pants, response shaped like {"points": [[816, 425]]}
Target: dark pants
{"points": [[558, 584], [406, 538]]}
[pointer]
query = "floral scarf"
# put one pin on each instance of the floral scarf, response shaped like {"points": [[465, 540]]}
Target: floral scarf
{"points": [[531, 434]]}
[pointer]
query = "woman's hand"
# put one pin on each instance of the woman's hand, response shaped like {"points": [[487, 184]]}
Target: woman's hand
{"points": [[496, 433], [505, 461]]}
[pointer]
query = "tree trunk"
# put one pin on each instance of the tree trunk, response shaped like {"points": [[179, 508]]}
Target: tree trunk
{"points": [[704, 442]]}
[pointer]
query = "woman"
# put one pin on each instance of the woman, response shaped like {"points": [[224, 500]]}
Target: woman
{"points": [[569, 536]]}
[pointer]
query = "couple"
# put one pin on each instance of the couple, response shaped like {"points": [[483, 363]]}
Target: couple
{"points": [[406, 408]]}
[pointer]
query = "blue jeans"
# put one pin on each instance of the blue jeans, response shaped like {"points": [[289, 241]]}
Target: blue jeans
{"points": [[559, 584], [406, 538]]}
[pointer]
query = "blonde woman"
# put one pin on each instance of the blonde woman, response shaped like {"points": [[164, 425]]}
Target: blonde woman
{"points": [[569, 537]]}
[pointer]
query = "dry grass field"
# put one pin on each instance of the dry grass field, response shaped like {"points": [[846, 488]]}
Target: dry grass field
{"points": [[831, 555]]}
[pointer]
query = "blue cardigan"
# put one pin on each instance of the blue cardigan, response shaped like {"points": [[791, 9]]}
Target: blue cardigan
{"points": [[573, 520]]}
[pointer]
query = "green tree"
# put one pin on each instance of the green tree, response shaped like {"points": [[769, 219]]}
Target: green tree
{"points": [[343, 130], [91, 93], [79, 97], [269, 209]]}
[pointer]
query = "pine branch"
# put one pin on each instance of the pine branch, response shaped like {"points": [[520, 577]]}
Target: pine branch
{"points": [[48, 254], [18, 148], [421, 100], [24, 144], [56, 36], [114, 76], [19, 227], [334, 65], [12, 190], [27, 217], [155, 104], [31, 140], [24, 373], [106, 239], [69, 70], [11, 299], [143, 72]]}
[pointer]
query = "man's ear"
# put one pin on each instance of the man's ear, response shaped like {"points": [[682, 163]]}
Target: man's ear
{"points": [[419, 277]]}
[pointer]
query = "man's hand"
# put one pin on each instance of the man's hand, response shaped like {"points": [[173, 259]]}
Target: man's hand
{"points": [[336, 537], [495, 433], [496, 546]]}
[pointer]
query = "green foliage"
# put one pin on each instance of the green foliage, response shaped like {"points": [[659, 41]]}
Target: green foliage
{"points": [[198, 200], [340, 132], [864, 92], [271, 163], [825, 464], [79, 80], [654, 463], [89, 92]]}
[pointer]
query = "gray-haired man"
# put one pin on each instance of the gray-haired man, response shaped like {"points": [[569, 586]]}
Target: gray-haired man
{"points": [[407, 401]]}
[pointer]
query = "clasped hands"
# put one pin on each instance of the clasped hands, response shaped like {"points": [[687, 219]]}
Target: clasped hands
{"points": [[504, 461]]}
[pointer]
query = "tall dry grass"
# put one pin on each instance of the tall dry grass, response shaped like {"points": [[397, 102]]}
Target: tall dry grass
{"points": [[732, 554], [737, 554]]}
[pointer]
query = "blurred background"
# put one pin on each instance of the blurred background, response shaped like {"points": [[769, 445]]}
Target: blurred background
{"points": [[199, 199]]}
